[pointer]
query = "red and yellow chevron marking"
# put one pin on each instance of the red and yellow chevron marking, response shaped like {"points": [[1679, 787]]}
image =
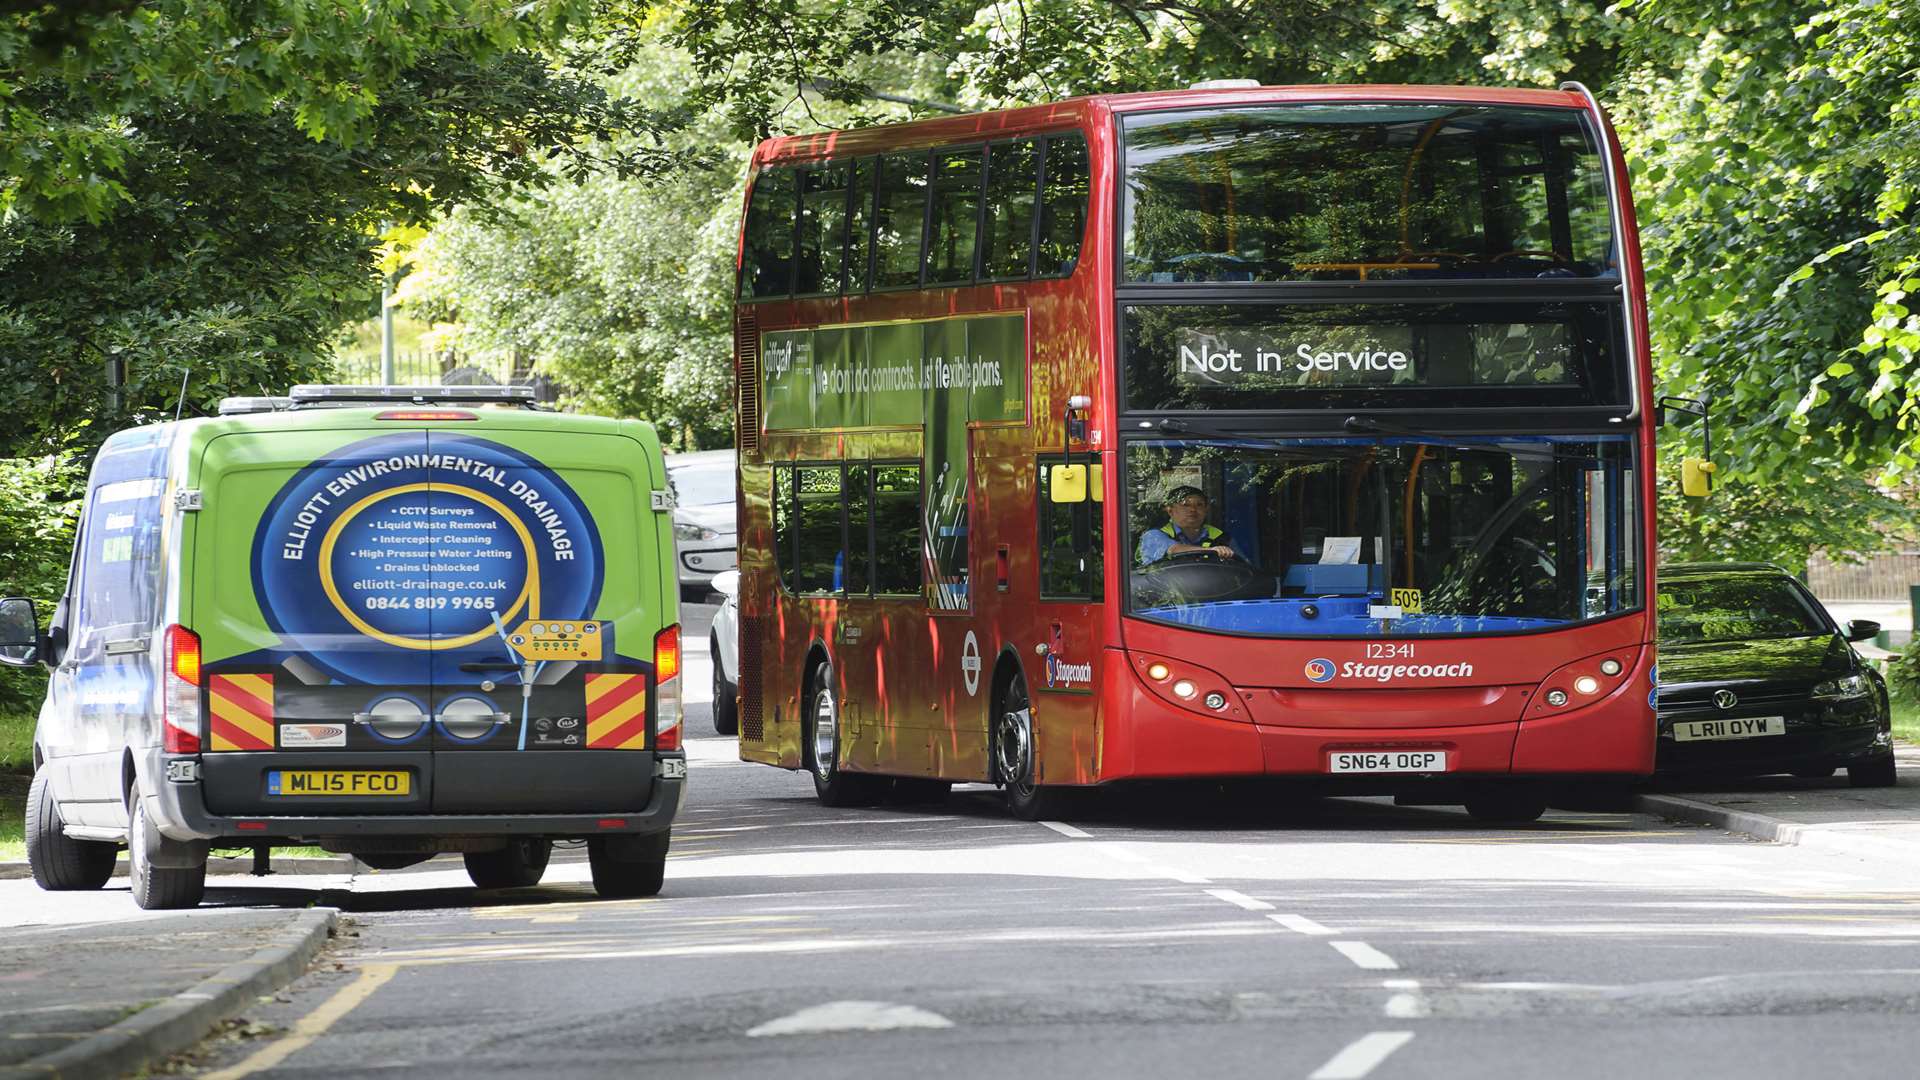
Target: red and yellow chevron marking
{"points": [[242, 707], [617, 712]]}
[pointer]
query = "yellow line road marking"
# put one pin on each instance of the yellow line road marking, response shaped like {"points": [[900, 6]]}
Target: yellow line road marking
{"points": [[314, 1024]]}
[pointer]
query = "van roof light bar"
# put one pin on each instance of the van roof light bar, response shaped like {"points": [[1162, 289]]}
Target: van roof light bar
{"points": [[319, 394], [241, 406]]}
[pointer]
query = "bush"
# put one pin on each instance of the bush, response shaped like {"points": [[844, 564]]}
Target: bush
{"points": [[39, 505]]}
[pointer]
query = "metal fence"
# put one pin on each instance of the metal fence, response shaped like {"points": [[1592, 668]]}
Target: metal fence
{"points": [[445, 368], [1880, 577]]}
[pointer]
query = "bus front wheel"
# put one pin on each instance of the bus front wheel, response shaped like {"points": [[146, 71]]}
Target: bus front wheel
{"points": [[1506, 806], [1013, 757], [833, 785]]}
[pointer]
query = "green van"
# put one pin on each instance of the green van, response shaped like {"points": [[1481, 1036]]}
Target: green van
{"points": [[387, 621]]}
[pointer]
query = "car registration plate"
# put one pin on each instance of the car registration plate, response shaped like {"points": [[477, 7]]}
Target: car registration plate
{"points": [[383, 783], [1387, 761], [1744, 727]]}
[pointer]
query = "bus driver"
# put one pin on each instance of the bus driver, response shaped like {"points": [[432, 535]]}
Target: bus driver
{"points": [[1186, 530]]}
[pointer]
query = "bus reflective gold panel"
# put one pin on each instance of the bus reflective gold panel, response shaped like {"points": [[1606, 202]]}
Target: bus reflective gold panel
{"points": [[242, 708], [617, 712]]}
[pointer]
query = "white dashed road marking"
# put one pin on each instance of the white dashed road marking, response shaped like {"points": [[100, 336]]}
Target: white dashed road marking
{"points": [[1239, 899], [850, 1016], [1065, 829], [1408, 1003], [1362, 1056], [1300, 924], [1365, 955]]}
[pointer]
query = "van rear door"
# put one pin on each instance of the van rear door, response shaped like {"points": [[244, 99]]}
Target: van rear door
{"points": [[546, 599], [310, 562]]}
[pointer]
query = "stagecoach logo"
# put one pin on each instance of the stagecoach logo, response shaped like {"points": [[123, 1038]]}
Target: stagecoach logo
{"points": [[1320, 670], [1061, 673], [1324, 671], [1725, 699]]}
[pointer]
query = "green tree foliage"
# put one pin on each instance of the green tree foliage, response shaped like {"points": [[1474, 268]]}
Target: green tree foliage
{"points": [[41, 501], [201, 183]]}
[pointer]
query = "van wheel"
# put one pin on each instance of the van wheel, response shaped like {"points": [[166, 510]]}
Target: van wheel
{"points": [[833, 785], [1880, 772], [1013, 758], [59, 862], [1506, 806], [157, 887], [726, 695], [520, 864], [626, 867]]}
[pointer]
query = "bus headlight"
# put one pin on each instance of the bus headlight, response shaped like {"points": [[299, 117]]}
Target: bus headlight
{"points": [[1609, 667], [1184, 688], [1586, 684]]}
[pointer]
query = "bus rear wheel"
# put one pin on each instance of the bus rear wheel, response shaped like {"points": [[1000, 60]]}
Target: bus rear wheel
{"points": [[1013, 757], [833, 785]]}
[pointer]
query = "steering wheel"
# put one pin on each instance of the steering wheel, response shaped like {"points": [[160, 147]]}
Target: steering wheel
{"points": [[1523, 253], [1200, 577]]}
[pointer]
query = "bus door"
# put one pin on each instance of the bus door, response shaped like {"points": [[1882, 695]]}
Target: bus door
{"points": [[538, 550], [1070, 560]]}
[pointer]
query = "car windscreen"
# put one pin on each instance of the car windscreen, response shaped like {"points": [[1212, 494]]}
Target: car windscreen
{"points": [[1743, 607], [701, 485], [1363, 192], [1391, 536]]}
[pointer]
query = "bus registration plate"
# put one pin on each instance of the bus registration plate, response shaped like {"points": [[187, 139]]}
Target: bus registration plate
{"points": [[285, 782], [1387, 761]]}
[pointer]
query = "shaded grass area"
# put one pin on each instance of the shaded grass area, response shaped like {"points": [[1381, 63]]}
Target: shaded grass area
{"points": [[1906, 718], [16, 771]]}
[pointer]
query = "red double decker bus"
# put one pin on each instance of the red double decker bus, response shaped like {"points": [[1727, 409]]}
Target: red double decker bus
{"points": [[1233, 432]]}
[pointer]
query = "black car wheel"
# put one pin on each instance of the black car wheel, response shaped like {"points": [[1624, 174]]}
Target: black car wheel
{"points": [[1879, 772], [726, 695]]}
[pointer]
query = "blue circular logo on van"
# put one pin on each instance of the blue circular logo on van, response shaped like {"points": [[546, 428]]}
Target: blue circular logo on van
{"points": [[1320, 670], [383, 561]]}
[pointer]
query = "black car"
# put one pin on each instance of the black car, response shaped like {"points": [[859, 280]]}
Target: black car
{"points": [[1754, 677]]}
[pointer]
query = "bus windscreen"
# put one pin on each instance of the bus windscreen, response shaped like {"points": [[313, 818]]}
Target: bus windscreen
{"points": [[1396, 536], [1363, 192]]}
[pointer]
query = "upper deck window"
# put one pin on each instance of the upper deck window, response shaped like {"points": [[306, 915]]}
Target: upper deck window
{"points": [[1362, 193]]}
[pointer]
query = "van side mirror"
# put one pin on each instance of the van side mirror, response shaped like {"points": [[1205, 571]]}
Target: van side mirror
{"points": [[1696, 477], [1067, 483], [19, 632], [1862, 629]]}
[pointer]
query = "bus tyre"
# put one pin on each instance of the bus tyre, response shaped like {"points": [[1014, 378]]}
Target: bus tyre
{"points": [[59, 862], [833, 785], [157, 888], [521, 863], [1879, 772], [625, 867], [1013, 757], [726, 695], [1506, 806]]}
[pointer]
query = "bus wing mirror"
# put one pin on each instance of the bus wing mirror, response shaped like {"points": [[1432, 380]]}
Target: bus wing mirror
{"points": [[1067, 483], [1696, 477]]}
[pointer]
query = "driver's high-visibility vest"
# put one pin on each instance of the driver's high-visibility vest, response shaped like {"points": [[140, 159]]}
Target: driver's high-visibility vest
{"points": [[1210, 534]]}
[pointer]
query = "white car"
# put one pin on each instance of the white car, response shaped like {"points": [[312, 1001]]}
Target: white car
{"points": [[703, 517], [725, 643]]}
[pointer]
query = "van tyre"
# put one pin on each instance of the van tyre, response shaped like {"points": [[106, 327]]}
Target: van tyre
{"points": [[1013, 758], [833, 785], [1506, 807], [158, 888], [1879, 772], [521, 863], [59, 862], [726, 695], [625, 867]]}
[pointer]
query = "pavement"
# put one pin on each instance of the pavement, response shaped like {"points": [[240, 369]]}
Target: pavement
{"points": [[1828, 814]]}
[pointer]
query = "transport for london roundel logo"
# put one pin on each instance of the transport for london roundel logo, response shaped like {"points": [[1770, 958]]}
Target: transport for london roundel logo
{"points": [[385, 552], [1320, 670]]}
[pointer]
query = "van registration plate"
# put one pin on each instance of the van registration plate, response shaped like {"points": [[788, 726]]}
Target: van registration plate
{"points": [[1387, 761], [394, 782]]}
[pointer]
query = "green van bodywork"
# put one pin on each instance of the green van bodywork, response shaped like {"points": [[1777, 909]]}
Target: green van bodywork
{"points": [[420, 629]]}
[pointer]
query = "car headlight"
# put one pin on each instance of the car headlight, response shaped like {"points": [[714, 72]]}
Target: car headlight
{"points": [[1851, 686], [683, 530]]}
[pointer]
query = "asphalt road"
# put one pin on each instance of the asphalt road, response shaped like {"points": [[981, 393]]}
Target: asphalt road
{"points": [[1181, 935]]}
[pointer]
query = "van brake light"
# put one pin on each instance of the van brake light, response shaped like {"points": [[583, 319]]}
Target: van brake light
{"points": [[666, 689], [181, 720], [426, 414]]}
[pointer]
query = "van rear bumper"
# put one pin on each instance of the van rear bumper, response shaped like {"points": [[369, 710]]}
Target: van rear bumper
{"points": [[180, 812]]}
